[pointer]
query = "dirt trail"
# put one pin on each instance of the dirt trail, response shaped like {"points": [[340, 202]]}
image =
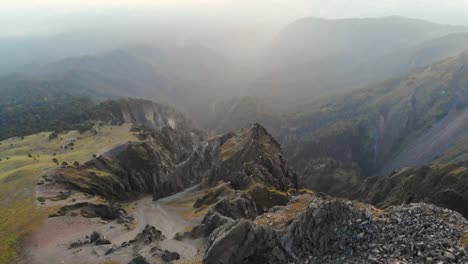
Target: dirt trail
{"points": [[50, 243]]}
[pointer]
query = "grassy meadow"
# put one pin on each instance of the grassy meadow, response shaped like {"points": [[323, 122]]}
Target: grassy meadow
{"points": [[22, 162]]}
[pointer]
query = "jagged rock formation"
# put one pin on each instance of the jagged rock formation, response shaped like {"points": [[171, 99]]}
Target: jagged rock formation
{"points": [[256, 211], [442, 185], [251, 155], [340, 231], [169, 160]]}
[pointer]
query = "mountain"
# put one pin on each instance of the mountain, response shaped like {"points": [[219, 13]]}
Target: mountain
{"points": [[315, 56], [185, 76], [386, 126], [242, 204]]}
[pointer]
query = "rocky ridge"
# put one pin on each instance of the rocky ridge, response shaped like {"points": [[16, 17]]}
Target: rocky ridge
{"points": [[255, 209], [340, 231], [244, 158], [442, 185]]}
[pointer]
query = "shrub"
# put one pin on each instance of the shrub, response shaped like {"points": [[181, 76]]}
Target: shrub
{"points": [[53, 135]]}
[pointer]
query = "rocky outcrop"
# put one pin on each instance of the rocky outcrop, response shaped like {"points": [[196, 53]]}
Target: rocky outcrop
{"points": [[149, 235], [442, 185], [249, 156], [169, 256], [135, 168], [95, 238], [226, 205], [91, 210], [139, 260], [340, 231]]}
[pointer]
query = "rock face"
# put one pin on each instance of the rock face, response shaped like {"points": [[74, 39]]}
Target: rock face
{"points": [[145, 113], [251, 155], [442, 185], [137, 168], [340, 231]]}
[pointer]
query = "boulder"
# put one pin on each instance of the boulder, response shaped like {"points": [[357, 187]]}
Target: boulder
{"points": [[139, 260], [95, 236], [168, 256]]}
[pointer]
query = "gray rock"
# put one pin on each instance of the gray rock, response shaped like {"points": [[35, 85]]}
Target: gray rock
{"points": [[168, 256], [103, 241], [316, 236], [76, 244], [449, 256], [95, 236], [139, 260]]}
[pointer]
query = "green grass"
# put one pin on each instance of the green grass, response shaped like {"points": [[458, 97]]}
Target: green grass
{"points": [[18, 175]]}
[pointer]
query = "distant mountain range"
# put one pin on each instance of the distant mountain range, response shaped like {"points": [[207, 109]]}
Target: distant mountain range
{"points": [[315, 56], [381, 127]]}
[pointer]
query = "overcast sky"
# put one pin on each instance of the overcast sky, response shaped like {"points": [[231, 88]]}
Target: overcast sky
{"points": [[26, 17]]}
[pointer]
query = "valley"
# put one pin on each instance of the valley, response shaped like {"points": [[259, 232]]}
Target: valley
{"points": [[195, 132]]}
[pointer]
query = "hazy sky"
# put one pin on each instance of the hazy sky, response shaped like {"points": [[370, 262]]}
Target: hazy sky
{"points": [[24, 17]]}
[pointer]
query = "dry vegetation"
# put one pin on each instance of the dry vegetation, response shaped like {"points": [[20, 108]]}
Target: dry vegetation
{"points": [[230, 147], [465, 240], [281, 219], [187, 211]]}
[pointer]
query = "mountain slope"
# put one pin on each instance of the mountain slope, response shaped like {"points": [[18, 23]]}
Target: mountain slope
{"points": [[317, 56], [184, 76], [375, 127]]}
